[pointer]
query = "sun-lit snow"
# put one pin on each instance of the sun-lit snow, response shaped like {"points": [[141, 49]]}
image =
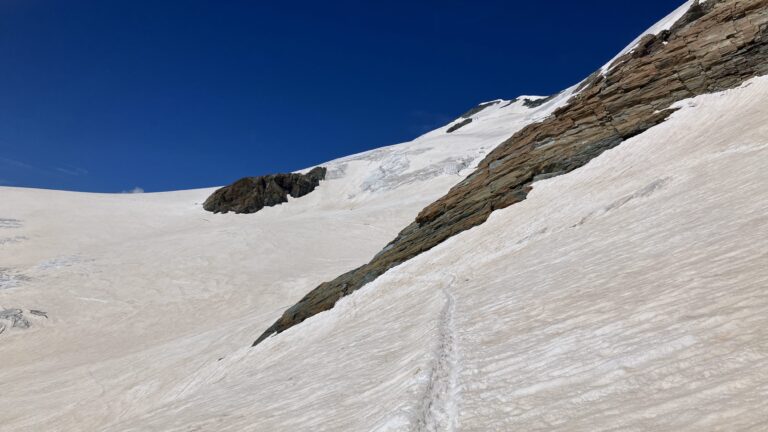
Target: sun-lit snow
{"points": [[145, 292], [627, 295], [664, 24]]}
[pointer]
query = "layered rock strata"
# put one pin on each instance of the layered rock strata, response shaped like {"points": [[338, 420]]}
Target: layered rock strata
{"points": [[717, 45], [251, 194]]}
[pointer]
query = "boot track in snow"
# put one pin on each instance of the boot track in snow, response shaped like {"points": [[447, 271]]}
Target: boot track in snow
{"points": [[439, 406]]}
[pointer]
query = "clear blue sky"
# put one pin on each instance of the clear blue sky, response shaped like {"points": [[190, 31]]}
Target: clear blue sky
{"points": [[105, 96]]}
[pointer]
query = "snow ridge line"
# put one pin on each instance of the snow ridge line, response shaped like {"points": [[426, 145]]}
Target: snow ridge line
{"points": [[439, 405]]}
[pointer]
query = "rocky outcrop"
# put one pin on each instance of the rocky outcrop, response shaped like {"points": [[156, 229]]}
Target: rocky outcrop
{"points": [[478, 108], [466, 118], [535, 103], [459, 125], [717, 45], [251, 194]]}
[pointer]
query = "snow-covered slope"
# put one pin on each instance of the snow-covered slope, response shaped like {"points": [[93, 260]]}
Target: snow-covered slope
{"points": [[633, 302], [636, 301], [145, 291], [626, 295]]}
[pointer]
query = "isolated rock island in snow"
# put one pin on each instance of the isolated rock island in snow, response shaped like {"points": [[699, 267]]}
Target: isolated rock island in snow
{"points": [[716, 45], [251, 194], [466, 118]]}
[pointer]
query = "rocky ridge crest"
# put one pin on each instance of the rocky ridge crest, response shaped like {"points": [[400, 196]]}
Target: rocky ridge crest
{"points": [[716, 45]]}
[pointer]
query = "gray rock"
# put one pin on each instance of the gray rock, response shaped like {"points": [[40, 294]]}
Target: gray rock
{"points": [[459, 125], [251, 194], [535, 103], [478, 108]]}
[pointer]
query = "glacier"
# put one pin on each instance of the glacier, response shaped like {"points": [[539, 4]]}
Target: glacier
{"points": [[629, 294]]}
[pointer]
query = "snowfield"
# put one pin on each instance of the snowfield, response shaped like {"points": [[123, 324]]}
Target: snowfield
{"points": [[627, 295], [144, 293], [635, 301]]}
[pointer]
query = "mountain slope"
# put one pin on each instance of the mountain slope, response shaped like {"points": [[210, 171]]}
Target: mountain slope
{"points": [[634, 302], [628, 294], [141, 291], [713, 46]]}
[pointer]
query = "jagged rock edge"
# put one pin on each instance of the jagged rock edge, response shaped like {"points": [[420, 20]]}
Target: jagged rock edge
{"points": [[251, 194]]}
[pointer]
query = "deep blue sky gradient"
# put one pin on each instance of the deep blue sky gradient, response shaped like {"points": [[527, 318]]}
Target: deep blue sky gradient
{"points": [[108, 95]]}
